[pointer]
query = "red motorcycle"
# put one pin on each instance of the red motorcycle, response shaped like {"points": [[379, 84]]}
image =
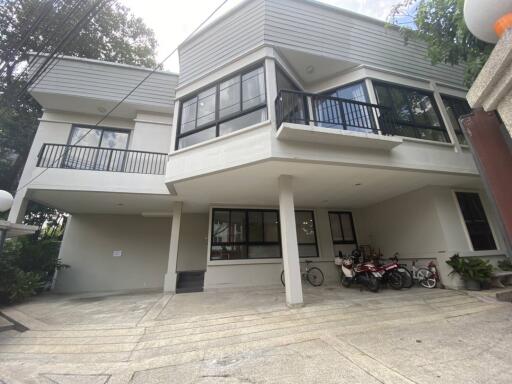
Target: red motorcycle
{"points": [[366, 273], [392, 275]]}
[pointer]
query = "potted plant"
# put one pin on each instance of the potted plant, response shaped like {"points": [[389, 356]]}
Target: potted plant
{"points": [[475, 271]]}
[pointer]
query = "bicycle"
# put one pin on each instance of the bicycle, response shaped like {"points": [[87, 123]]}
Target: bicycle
{"points": [[426, 277], [313, 275]]}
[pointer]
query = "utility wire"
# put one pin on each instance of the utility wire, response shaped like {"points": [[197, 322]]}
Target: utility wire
{"points": [[155, 69], [50, 59], [69, 36], [45, 10]]}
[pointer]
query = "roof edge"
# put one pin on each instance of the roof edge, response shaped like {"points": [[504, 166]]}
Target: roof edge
{"points": [[109, 63]]}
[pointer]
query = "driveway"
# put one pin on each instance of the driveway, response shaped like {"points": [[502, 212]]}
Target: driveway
{"points": [[249, 336]]}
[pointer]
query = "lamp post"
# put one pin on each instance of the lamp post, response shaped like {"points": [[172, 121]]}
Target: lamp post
{"points": [[6, 200]]}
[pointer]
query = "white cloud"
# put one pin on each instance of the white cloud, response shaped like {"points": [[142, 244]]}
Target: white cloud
{"points": [[174, 20]]}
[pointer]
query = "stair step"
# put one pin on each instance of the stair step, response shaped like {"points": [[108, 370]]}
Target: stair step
{"points": [[190, 281]]}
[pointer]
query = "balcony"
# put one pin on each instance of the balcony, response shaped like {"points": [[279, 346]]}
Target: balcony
{"points": [[330, 120], [101, 159]]}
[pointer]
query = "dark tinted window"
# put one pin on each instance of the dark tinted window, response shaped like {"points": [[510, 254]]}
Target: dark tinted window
{"points": [[476, 221], [456, 108], [414, 110]]}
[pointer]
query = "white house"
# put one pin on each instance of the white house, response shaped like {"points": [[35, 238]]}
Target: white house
{"points": [[294, 130]]}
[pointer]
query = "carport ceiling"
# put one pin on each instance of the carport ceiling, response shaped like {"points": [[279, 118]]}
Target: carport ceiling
{"points": [[315, 185], [105, 202]]}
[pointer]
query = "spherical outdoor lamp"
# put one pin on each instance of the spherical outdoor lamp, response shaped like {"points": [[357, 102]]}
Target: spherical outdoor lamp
{"points": [[6, 200], [488, 20]]}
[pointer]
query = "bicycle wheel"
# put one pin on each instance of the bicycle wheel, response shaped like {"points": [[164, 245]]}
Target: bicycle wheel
{"points": [[315, 277], [395, 280], [426, 278], [406, 277], [282, 278]]}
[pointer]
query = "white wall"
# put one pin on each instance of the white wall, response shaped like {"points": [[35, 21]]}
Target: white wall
{"points": [[193, 242], [421, 225], [88, 244]]}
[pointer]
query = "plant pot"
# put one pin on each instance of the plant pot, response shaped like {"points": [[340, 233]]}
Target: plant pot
{"points": [[472, 285], [485, 284]]}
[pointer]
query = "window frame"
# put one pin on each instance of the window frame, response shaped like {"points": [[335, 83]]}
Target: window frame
{"points": [[314, 227], [217, 120], [98, 147], [247, 242], [416, 126], [330, 91], [458, 129], [339, 213], [103, 129], [464, 223]]}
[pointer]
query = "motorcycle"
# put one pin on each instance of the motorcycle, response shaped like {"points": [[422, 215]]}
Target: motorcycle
{"points": [[392, 275], [365, 274]]}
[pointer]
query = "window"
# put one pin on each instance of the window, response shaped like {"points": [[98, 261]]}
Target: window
{"points": [[456, 108], [355, 91], [284, 82], [476, 221], [255, 234], [306, 233], [104, 140], [245, 234], [232, 104], [342, 230], [414, 110], [330, 113]]}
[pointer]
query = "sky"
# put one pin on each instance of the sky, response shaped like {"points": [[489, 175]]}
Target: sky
{"points": [[174, 20]]}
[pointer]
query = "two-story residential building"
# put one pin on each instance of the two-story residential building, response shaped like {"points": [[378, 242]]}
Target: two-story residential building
{"points": [[295, 130]]}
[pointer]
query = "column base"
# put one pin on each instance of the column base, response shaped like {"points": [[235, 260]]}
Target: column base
{"points": [[170, 282], [295, 305]]}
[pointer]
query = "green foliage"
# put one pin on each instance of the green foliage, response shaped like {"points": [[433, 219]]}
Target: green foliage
{"points": [[114, 34], [505, 265], [27, 265], [471, 268], [440, 23], [51, 222]]}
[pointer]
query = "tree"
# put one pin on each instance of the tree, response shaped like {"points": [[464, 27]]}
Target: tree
{"points": [[440, 23], [113, 34]]}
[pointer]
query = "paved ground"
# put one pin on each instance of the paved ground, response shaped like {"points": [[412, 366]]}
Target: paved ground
{"points": [[340, 336]]}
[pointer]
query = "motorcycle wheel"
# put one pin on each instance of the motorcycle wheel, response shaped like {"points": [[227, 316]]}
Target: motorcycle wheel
{"points": [[395, 280], [373, 284], [345, 281], [315, 277], [407, 279]]}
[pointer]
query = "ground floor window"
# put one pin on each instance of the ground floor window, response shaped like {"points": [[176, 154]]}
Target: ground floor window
{"points": [[478, 227], [306, 233], [342, 230], [255, 234]]}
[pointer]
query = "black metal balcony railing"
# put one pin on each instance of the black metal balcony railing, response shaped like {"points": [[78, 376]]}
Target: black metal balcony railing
{"points": [[332, 112], [101, 159]]}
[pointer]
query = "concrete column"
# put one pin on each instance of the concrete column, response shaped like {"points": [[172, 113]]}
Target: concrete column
{"points": [[19, 207], [171, 275], [271, 84], [291, 262]]}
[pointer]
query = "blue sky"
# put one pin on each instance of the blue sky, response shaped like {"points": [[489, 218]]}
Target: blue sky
{"points": [[173, 20]]}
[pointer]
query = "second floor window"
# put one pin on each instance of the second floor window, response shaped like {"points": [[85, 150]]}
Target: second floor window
{"points": [[415, 112], [227, 106], [106, 151]]}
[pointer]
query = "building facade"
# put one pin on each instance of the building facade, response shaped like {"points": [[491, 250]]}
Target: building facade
{"points": [[294, 131]]}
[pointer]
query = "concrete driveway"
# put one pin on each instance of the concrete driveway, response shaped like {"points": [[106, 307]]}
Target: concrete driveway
{"points": [[340, 336]]}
